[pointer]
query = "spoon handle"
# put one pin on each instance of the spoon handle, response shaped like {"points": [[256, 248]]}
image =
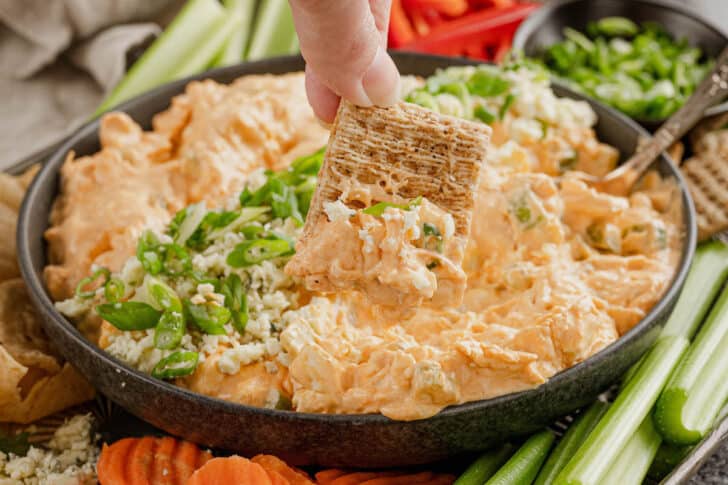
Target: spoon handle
{"points": [[712, 89]]}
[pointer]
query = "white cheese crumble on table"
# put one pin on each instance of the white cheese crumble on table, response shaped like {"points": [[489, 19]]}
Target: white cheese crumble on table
{"points": [[69, 458]]}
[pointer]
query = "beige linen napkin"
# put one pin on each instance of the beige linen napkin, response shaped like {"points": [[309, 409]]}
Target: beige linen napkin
{"points": [[58, 58]]}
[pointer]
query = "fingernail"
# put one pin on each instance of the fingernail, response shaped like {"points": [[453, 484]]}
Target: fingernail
{"points": [[381, 81]]}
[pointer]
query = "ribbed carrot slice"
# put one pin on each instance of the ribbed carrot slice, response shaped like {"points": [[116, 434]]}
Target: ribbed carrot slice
{"points": [[188, 459], [358, 478], [112, 465], [233, 470], [163, 468], [276, 478], [273, 463], [326, 477], [149, 461], [416, 478], [140, 461]]}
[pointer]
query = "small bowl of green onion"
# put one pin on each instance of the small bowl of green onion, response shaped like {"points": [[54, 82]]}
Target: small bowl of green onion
{"points": [[641, 57]]}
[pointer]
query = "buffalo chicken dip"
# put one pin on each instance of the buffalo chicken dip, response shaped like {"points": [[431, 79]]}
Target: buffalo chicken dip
{"points": [[168, 248]]}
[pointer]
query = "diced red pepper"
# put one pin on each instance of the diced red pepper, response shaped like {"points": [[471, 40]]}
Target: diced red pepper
{"points": [[400, 29], [451, 8]]}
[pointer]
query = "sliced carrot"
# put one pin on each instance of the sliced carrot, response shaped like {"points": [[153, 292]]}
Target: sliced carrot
{"points": [[416, 478], [273, 463], [149, 461], [276, 478], [162, 471], [358, 478], [233, 470], [325, 477], [140, 461], [111, 467]]}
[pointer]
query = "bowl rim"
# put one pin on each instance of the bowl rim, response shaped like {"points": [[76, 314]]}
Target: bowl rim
{"points": [[539, 17], [43, 302]]}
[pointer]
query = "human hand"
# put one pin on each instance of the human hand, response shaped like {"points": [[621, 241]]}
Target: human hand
{"points": [[344, 43]]}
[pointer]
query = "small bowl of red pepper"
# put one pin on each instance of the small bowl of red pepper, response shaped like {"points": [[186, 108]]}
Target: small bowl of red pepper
{"points": [[478, 29]]}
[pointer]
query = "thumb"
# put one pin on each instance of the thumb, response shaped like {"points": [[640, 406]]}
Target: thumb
{"points": [[343, 48]]}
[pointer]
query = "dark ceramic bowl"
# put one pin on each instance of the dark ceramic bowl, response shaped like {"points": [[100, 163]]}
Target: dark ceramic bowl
{"points": [[332, 440], [545, 26]]}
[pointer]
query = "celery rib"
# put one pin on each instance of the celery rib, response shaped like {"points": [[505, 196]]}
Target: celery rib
{"points": [[160, 62], [234, 51], [524, 465], [706, 276], [593, 459], [695, 394], [634, 461], [274, 33], [571, 441], [485, 466]]}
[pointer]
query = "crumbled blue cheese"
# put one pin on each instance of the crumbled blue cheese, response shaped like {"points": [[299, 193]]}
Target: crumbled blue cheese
{"points": [[232, 359], [69, 458], [337, 210]]}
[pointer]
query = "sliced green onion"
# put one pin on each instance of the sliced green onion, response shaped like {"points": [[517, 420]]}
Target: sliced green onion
{"points": [[617, 26], [485, 466], [432, 237], [309, 164], [507, 103], [487, 83], [187, 224], [208, 317], [378, 209], [177, 364], [253, 252], [197, 20], [89, 280], [129, 315], [633, 462], [423, 98], [593, 459], [524, 465], [481, 112], [579, 39], [698, 389], [114, 290], [177, 261], [169, 331], [572, 440], [149, 253], [162, 295], [236, 300]]}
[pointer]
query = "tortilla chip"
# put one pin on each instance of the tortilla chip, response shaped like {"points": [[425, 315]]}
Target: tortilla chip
{"points": [[34, 382], [21, 333], [8, 268], [11, 191]]}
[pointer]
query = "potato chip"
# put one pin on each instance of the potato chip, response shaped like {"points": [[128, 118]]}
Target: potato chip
{"points": [[11, 191], [27, 177]]}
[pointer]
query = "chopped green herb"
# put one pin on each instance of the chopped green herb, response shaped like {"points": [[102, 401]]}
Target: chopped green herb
{"points": [[487, 83], [129, 315], [482, 113]]}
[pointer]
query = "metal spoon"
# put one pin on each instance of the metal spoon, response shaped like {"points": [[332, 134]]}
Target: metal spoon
{"points": [[711, 90]]}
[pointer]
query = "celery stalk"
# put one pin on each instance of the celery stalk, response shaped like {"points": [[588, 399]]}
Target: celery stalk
{"points": [[666, 459], [572, 440], [485, 466], [274, 33], [706, 276], [635, 459], [205, 53], [696, 392], [234, 51], [159, 63], [524, 465], [593, 459]]}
